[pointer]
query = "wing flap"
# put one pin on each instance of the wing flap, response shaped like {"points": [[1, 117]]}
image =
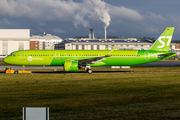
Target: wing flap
{"points": [[94, 60]]}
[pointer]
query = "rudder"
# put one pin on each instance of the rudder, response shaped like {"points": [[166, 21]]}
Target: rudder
{"points": [[164, 40]]}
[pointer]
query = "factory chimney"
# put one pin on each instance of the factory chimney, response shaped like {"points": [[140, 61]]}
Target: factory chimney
{"points": [[105, 33], [91, 34]]}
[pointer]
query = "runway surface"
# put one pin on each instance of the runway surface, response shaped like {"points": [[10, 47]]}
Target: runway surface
{"points": [[159, 63], [29, 67], [52, 67]]}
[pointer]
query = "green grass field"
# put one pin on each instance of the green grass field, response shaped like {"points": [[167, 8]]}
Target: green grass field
{"points": [[92, 96]]}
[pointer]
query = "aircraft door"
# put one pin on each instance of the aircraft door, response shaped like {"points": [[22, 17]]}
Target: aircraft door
{"points": [[146, 55], [22, 55], [57, 55]]}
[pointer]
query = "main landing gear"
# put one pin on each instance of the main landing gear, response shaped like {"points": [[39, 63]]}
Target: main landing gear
{"points": [[88, 68], [89, 71]]}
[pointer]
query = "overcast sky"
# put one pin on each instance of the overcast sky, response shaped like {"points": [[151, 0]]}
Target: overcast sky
{"points": [[70, 18]]}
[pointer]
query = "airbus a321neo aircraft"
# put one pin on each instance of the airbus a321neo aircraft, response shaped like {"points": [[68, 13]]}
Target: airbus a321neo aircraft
{"points": [[73, 60]]}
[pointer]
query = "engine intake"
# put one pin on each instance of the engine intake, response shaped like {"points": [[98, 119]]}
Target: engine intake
{"points": [[71, 66]]}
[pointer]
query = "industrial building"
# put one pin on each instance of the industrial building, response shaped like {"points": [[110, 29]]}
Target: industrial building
{"points": [[177, 47], [13, 40], [44, 42], [102, 44], [93, 43]]}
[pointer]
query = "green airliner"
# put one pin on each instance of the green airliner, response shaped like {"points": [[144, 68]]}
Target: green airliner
{"points": [[73, 60]]}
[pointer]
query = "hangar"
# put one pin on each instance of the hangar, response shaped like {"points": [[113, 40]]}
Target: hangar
{"points": [[13, 40]]}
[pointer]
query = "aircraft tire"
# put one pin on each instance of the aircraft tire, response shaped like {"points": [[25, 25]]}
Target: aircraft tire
{"points": [[89, 71]]}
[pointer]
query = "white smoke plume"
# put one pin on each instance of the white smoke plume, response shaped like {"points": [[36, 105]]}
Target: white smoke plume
{"points": [[80, 19], [101, 10], [94, 6]]}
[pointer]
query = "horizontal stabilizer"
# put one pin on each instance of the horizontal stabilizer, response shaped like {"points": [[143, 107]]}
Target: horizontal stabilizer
{"points": [[165, 55]]}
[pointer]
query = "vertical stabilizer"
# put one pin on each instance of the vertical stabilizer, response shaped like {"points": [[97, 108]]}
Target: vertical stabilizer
{"points": [[164, 40]]}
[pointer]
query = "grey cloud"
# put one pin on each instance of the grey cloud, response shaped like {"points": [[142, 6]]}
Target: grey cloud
{"points": [[154, 17], [57, 30], [79, 19], [38, 9], [62, 17], [62, 10], [5, 21], [125, 13]]}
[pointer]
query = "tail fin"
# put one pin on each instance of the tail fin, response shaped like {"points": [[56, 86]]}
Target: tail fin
{"points": [[164, 40]]}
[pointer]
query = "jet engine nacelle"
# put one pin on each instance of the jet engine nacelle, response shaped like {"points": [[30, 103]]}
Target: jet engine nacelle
{"points": [[71, 66]]}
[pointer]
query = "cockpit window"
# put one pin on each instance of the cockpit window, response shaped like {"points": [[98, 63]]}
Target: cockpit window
{"points": [[11, 54]]}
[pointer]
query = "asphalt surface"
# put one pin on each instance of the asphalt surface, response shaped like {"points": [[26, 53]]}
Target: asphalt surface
{"points": [[161, 63], [53, 67], [29, 67], [153, 64]]}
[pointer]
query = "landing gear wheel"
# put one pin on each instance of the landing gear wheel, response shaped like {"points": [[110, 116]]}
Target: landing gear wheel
{"points": [[89, 71], [16, 72]]}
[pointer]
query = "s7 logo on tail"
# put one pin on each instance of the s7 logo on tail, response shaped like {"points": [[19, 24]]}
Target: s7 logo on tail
{"points": [[162, 42]]}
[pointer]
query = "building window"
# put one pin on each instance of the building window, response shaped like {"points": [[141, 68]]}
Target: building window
{"points": [[97, 47], [82, 47], [76, 47], [106, 46], [59, 47], [5, 48], [92, 48]]}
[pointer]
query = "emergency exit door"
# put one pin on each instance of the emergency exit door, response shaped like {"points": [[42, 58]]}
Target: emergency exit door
{"points": [[57, 55], [22, 55], [146, 55]]}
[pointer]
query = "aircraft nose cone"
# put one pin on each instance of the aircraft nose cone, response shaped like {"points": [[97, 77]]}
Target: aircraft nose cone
{"points": [[5, 60]]}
